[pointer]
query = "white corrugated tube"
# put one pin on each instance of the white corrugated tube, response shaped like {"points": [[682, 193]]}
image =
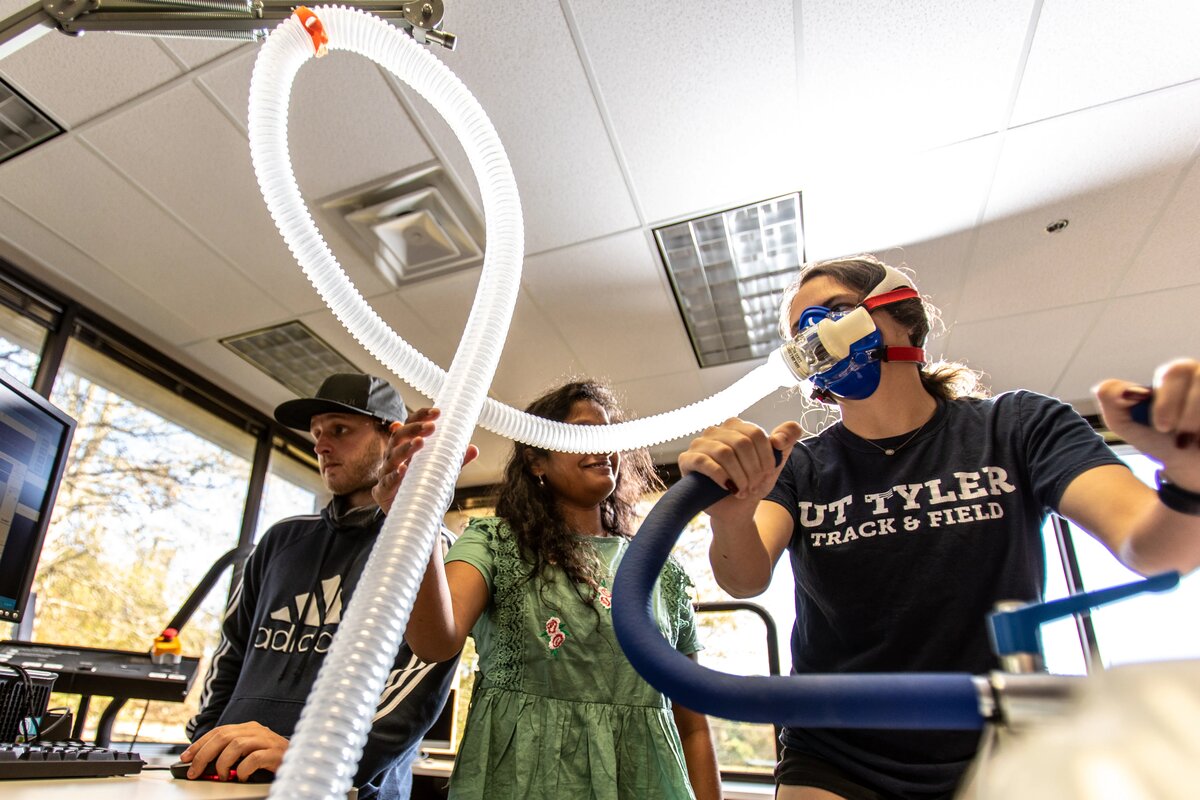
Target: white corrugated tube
{"points": [[325, 749]]}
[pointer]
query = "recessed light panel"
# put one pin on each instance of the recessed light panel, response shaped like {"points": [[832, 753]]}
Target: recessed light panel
{"points": [[291, 354], [22, 124], [729, 271]]}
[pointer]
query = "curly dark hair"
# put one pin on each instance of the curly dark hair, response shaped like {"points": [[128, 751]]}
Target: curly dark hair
{"points": [[532, 511], [862, 273]]}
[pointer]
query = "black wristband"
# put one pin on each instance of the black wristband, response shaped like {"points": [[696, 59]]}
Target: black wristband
{"points": [[1177, 498]]}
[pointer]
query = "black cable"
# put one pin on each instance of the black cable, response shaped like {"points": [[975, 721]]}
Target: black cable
{"points": [[23, 722], [58, 718], [137, 731]]}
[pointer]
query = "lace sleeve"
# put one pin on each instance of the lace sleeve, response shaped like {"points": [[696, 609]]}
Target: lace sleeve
{"points": [[510, 572], [674, 584]]}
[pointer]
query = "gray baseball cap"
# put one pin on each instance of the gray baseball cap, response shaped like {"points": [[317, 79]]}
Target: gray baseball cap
{"points": [[345, 393]]}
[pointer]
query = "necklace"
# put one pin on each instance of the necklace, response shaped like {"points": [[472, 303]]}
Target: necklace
{"points": [[891, 451]]}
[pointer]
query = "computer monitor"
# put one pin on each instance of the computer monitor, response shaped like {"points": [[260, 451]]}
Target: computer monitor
{"points": [[34, 439]]}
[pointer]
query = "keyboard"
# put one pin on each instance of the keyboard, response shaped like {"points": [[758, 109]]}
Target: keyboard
{"points": [[65, 760]]}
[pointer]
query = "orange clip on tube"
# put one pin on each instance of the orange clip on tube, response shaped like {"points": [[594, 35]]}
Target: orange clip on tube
{"points": [[312, 24]]}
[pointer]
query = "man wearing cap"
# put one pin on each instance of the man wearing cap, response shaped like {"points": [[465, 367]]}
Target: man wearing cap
{"points": [[282, 618]]}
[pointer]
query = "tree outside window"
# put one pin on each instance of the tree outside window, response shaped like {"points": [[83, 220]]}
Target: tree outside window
{"points": [[154, 492]]}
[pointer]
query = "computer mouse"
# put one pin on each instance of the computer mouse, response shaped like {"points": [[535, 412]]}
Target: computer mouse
{"points": [[180, 770]]}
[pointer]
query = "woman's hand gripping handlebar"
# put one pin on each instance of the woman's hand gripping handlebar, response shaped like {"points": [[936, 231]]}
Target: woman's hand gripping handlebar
{"points": [[897, 701]]}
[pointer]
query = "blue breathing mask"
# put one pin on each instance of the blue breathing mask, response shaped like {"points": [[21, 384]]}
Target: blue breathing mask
{"points": [[841, 352], [855, 376]]}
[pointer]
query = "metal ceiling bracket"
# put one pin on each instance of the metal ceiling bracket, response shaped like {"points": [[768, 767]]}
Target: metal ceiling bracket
{"points": [[65, 11], [242, 19]]}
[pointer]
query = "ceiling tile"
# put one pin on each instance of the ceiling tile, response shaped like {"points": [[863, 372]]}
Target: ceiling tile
{"points": [[229, 82], [347, 127], [705, 116], [535, 357], [1025, 351], [659, 394], [714, 379], [1107, 170], [10, 7], [893, 203], [610, 298], [897, 77], [68, 269], [399, 316], [435, 345], [530, 82], [442, 141], [326, 326], [186, 277], [194, 52], [56, 72], [183, 151], [1088, 52], [443, 303], [1098, 149], [1165, 329], [656, 394], [435, 330], [1167, 258], [431, 316]]}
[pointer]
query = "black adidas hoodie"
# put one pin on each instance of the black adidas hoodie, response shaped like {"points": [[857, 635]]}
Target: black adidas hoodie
{"points": [[278, 627]]}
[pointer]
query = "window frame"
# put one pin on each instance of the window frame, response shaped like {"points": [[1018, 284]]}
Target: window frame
{"points": [[66, 320]]}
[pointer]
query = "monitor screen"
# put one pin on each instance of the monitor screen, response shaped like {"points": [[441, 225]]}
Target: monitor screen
{"points": [[34, 438]]}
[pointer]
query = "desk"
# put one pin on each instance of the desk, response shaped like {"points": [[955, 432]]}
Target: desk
{"points": [[147, 785], [150, 784]]}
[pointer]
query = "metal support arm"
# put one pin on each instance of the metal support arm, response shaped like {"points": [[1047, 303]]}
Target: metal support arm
{"points": [[226, 19]]}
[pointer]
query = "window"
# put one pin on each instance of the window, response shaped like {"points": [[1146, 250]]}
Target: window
{"points": [[154, 493], [456, 522], [730, 645], [1150, 627], [156, 487], [733, 642], [21, 341], [1062, 645], [291, 489]]}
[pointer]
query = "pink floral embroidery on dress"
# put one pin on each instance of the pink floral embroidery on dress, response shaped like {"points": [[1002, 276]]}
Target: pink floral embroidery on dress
{"points": [[555, 634], [604, 596]]}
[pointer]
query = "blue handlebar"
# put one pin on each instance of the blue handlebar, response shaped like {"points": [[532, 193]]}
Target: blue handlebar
{"points": [[940, 701], [1019, 630], [1140, 413]]}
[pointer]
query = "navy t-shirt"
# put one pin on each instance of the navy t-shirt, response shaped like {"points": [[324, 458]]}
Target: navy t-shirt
{"points": [[898, 560]]}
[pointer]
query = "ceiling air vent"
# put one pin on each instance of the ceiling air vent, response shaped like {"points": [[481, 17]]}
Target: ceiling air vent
{"points": [[291, 354], [411, 226]]}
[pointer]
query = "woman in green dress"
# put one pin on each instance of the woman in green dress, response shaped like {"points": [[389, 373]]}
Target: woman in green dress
{"points": [[557, 711]]}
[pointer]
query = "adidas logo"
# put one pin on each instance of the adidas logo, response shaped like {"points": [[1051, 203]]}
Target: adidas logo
{"points": [[319, 611]]}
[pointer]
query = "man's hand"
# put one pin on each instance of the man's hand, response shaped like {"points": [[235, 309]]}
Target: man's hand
{"points": [[247, 746], [405, 440]]}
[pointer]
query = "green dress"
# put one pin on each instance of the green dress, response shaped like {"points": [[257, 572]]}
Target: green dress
{"points": [[557, 711]]}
